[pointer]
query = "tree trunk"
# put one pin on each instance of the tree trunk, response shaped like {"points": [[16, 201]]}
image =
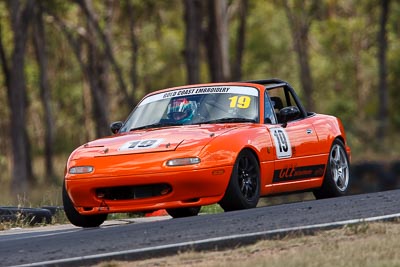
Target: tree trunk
{"points": [[241, 38], [85, 6], [98, 91], [4, 63], [382, 87], [21, 165], [129, 10], [96, 69], [4, 124], [45, 95], [193, 20], [217, 41], [300, 17]]}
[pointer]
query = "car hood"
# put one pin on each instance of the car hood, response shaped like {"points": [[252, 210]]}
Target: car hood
{"points": [[187, 137]]}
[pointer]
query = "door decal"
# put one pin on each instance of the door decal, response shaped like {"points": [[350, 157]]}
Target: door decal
{"points": [[292, 172], [282, 143]]}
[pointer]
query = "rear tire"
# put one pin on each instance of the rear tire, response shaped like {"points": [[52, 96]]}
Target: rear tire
{"points": [[183, 212], [337, 177], [77, 219], [243, 190]]}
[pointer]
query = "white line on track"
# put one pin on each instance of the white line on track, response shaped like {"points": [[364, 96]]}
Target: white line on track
{"points": [[215, 240], [5, 238], [43, 231]]}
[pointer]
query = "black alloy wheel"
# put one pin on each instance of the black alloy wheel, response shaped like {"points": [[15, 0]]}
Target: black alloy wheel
{"points": [[243, 190]]}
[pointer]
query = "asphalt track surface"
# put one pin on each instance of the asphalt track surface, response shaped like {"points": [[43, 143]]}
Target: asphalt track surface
{"points": [[138, 238]]}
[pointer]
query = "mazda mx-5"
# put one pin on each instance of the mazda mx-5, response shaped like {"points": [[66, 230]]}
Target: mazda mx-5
{"points": [[186, 147]]}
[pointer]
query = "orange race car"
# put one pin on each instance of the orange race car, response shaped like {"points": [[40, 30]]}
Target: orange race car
{"points": [[186, 147]]}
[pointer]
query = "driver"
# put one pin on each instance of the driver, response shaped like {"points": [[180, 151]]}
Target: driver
{"points": [[181, 110]]}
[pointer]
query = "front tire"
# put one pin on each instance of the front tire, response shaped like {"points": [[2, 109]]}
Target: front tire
{"points": [[337, 177], [77, 219], [243, 190], [184, 212]]}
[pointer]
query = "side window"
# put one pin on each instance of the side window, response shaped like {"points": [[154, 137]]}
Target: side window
{"points": [[280, 98], [269, 114]]}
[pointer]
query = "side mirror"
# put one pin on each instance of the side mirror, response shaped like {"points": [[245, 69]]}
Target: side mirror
{"points": [[288, 114], [116, 126]]}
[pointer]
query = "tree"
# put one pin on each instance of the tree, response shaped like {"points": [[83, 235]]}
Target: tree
{"points": [[39, 42], [105, 40], [20, 15], [300, 14], [241, 38], [217, 41], [96, 66], [193, 20], [382, 86], [92, 64], [129, 13]]}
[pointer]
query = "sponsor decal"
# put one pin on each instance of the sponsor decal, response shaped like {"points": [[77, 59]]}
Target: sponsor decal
{"points": [[293, 172], [195, 91], [240, 90]]}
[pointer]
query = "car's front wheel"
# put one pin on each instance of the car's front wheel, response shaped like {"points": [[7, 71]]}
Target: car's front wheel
{"points": [[337, 177], [243, 190], [77, 219], [183, 212]]}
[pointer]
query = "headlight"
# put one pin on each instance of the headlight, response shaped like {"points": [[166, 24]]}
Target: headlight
{"points": [[81, 169], [183, 161]]}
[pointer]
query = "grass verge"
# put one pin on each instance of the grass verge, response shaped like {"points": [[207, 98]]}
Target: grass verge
{"points": [[367, 245]]}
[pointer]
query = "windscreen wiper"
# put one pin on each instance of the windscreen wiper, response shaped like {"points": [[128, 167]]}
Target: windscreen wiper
{"points": [[229, 120], [156, 125]]}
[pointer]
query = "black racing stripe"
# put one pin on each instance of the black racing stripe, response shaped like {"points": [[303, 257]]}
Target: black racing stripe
{"points": [[296, 173]]}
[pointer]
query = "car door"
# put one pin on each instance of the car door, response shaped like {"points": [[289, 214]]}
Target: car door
{"points": [[299, 162]]}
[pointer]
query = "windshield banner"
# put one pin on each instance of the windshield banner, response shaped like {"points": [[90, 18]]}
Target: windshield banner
{"points": [[240, 90]]}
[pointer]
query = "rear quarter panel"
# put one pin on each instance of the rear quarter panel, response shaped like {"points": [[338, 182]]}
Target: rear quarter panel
{"points": [[328, 128]]}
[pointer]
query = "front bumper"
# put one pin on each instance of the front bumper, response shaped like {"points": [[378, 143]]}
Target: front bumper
{"points": [[188, 188]]}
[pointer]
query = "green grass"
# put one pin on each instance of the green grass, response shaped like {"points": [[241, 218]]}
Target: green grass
{"points": [[211, 209]]}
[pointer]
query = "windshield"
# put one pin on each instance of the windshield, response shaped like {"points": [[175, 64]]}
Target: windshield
{"points": [[196, 105]]}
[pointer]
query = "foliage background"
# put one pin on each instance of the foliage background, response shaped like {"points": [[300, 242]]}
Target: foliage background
{"points": [[343, 54]]}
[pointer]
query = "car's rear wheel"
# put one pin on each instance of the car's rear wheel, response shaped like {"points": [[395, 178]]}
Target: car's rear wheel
{"points": [[337, 177], [77, 219], [243, 190], [183, 212]]}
